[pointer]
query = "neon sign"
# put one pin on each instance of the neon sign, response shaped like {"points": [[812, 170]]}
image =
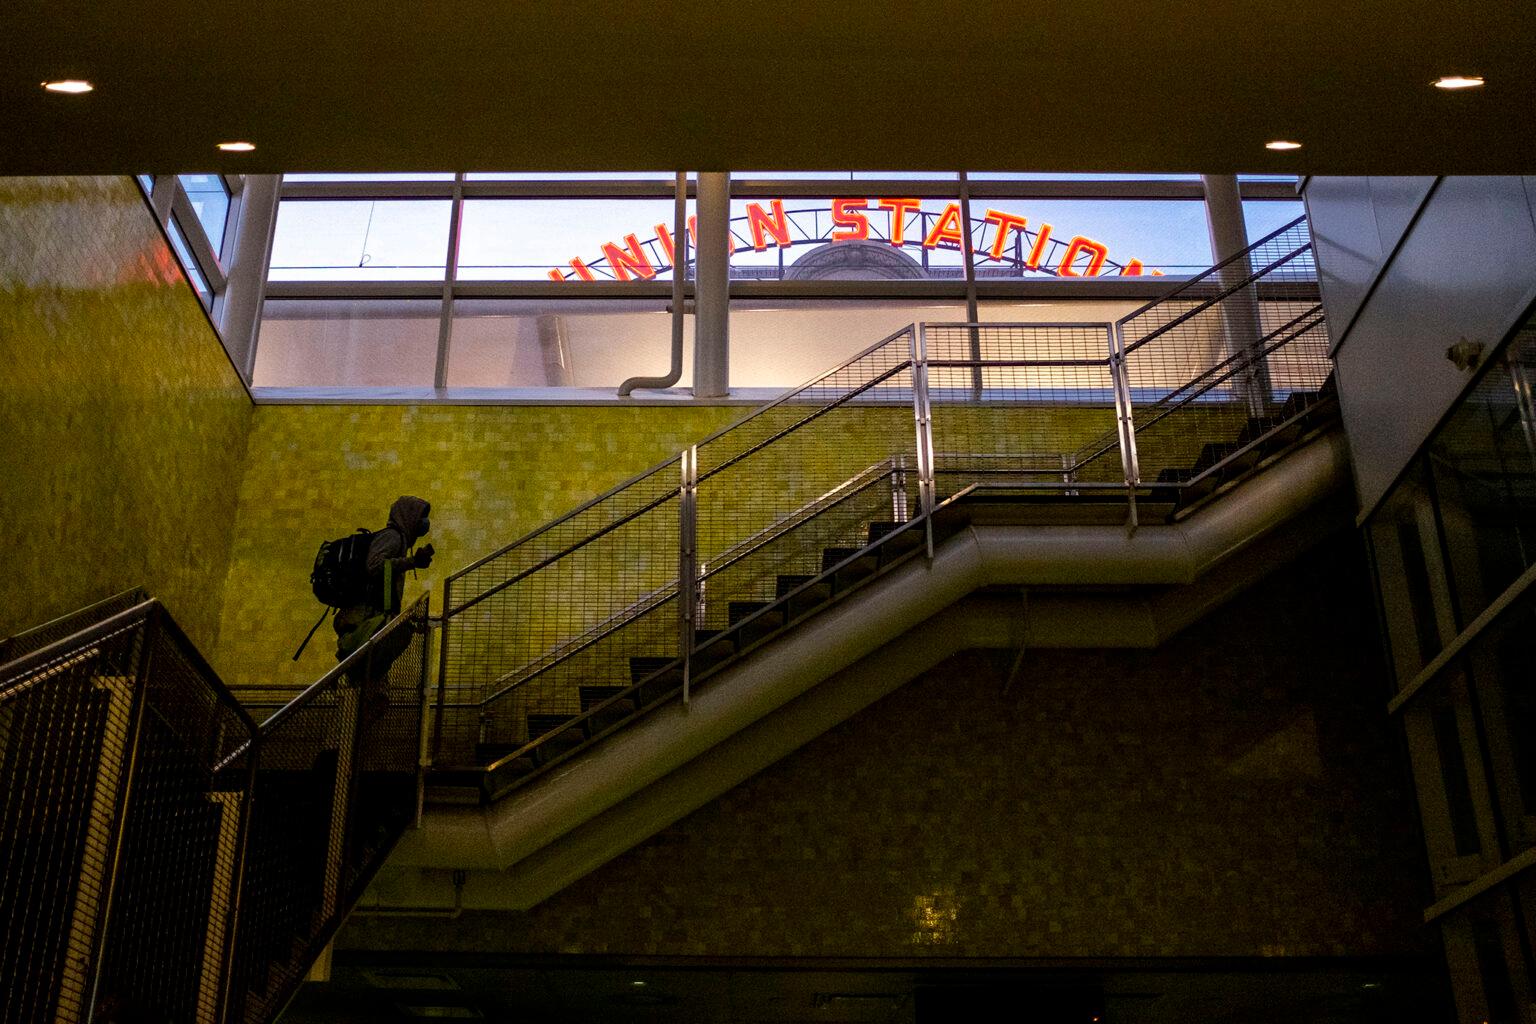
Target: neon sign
{"points": [[1006, 239]]}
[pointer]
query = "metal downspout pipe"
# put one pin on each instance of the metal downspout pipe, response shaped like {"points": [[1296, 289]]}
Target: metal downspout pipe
{"points": [[679, 275]]}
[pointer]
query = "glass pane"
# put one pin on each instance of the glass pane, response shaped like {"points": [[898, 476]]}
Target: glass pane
{"points": [[1484, 460], [784, 343], [347, 343], [184, 255], [845, 239], [360, 240], [1089, 237], [568, 239], [398, 176], [146, 182], [845, 175], [597, 343], [1263, 216], [210, 199], [1061, 176], [572, 176]]}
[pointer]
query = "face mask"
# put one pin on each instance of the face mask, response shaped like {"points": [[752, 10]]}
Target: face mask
{"points": [[422, 527]]}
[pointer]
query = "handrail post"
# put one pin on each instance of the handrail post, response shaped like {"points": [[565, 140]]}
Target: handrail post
{"points": [[1125, 424], [687, 558], [922, 412], [424, 687], [442, 676], [97, 920]]}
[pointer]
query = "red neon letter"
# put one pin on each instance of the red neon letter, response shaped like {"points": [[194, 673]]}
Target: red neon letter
{"points": [[555, 275], [582, 271], [622, 261], [846, 212], [1005, 222], [664, 237], [899, 209], [1041, 238], [760, 223], [1132, 269], [1096, 255], [945, 229]]}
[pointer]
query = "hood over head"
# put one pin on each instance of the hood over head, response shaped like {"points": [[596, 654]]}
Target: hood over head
{"points": [[406, 514]]}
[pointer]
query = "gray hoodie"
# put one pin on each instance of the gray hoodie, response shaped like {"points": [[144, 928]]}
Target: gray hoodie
{"points": [[393, 544]]}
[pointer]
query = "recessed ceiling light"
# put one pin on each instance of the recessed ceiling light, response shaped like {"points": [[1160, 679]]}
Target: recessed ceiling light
{"points": [[1282, 144], [1458, 82], [69, 85], [237, 147]]}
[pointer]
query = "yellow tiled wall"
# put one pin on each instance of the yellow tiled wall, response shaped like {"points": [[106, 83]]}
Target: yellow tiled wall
{"points": [[123, 422], [1231, 794], [492, 474]]}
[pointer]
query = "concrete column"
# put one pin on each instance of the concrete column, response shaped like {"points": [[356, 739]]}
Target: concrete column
{"points": [[712, 336], [239, 308], [1239, 311]]}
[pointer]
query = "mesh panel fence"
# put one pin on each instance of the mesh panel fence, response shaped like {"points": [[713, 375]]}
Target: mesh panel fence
{"points": [[163, 859], [173, 901], [335, 782], [680, 560], [66, 721], [1027, 406], [38, 637], [1225, 354]]}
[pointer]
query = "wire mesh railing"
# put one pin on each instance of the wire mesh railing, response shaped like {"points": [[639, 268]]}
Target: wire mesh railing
{"points": [[38, 637], [659, 576], [164, 858]]}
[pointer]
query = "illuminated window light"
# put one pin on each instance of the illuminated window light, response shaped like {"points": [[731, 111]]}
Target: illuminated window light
{"points": [[74, 86], [1458, 82], [1282, 144], [237, 147]]}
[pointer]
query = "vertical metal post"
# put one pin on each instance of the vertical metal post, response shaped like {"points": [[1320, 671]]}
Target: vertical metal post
{"points": [[1125, 426], [237, 883], [424, 687], [899, 511], [1240, 319], [712, 287], [968, 253], [96, 936], [450, 276], [687, 556], [442, 673], [923, 416]]}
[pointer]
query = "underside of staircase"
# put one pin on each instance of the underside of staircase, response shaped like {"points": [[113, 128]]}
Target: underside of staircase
{"points": [[1008, 574]]}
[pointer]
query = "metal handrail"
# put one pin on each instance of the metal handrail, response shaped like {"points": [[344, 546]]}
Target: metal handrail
{"points": [[1190, 282], [663, 593], [672, 461], [84, 616]]}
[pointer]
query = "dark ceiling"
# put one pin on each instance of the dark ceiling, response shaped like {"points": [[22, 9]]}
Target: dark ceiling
{"points": [[1052, 85]]}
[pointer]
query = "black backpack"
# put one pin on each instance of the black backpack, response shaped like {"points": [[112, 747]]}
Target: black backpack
{"points": [[340, 576]]}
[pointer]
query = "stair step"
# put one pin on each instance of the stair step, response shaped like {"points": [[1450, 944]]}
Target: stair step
{"points": [[810, 597], [592, 696], [540, 725], [644, 666], [852, 572], [1212, 453], [735, 611]]}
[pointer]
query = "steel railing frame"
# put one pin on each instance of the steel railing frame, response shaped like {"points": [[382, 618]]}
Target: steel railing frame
{"points": [[1215, 288], [152, 633]]}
